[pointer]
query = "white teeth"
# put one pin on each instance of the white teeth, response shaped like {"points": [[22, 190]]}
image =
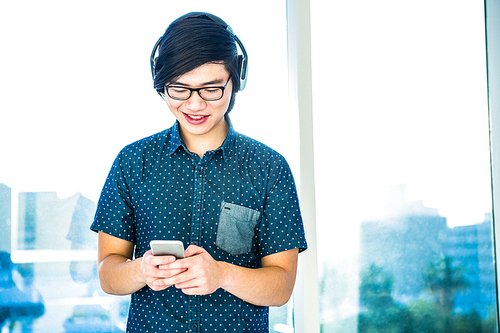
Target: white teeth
{"points": [[195, 117]]}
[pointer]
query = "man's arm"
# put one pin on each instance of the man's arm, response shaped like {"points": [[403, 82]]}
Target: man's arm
{"points": [[271, 285], [120, 275]]}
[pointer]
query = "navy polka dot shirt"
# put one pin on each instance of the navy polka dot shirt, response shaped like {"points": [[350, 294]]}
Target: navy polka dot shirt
{"points": [[238, 202]]}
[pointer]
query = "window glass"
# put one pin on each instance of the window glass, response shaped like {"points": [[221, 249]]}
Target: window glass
{"points": [[402, 163], [77, 88]]}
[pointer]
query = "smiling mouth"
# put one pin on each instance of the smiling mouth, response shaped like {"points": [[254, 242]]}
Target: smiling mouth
{"points": [[195, 117]]}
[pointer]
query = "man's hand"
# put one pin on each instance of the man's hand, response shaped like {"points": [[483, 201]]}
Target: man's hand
{"points": [[156, 270], [197, 274]]}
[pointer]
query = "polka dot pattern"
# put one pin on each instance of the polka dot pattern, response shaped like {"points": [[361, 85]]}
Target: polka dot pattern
{"points": [[157, 189]]}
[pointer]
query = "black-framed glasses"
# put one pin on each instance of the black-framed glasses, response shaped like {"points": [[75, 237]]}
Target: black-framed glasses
{"points": [[206, 93]]}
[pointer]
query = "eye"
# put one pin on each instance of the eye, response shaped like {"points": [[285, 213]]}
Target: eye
{"points": [[211, 90], [178, 90]]}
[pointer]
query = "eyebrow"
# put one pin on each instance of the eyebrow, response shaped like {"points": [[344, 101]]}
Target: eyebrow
{"points": [[216, 81]]}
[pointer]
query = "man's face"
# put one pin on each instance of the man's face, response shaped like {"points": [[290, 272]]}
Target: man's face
{"points": [[197, 117]]}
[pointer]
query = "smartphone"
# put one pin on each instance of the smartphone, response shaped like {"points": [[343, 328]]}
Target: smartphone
{"points": [[167, 248]]}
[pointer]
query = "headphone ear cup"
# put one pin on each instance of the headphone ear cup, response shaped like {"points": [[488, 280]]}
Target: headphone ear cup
{"points": [[243, 65], [154, 57], [153, 68], [243, 62]]}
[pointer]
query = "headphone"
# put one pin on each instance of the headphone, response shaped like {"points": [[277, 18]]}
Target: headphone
{"points": [[243, 58]]}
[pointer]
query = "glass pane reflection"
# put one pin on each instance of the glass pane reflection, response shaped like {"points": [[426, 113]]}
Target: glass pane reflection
{"points": [[401, 136], [50, 283], [411, 272]]}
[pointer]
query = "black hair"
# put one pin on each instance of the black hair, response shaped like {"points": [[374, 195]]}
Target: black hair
{"points": [[192, 42]]}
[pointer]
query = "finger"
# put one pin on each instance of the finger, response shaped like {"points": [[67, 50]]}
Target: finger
{"points": [[181, 277], [185, 263], [168, 273], [194, 250], [165, 278], [161, 260], [174, 265], [158, 285], [197, 290], [169, 281], [190, 279], [185, 280], [192, 291], [188, 284]]}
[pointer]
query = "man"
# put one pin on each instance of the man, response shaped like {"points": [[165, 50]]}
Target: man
{"points": [[230, 199]]}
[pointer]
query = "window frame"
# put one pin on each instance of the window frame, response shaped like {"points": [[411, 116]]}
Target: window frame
{"points": [[306, 294], [492, 27]]}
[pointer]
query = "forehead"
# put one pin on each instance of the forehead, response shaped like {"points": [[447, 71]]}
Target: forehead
{"points": [[211, 73]]}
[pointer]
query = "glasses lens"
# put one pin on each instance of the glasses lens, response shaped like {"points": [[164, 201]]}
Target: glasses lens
{"points": [[178, 93], [211, 94]]}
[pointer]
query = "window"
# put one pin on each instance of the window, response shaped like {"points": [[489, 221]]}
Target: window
{"points": [[401, 153], [77, 88], [402, 162]]}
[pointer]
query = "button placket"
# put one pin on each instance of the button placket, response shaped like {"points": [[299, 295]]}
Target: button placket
{"points": [[194, 316], [195, 237], [196, 222]]}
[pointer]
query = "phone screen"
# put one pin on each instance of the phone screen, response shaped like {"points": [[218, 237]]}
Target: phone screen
{"points": [[167, 247]]}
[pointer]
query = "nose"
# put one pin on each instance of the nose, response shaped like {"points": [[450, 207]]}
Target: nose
{"points": [[195, 102]]}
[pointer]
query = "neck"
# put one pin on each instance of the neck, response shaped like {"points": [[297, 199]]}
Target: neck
{"points": [[200, 144]]}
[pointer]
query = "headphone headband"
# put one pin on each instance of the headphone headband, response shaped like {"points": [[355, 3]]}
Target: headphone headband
{"points": [[213, 18]]}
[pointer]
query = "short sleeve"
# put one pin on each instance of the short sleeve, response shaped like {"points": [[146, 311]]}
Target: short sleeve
{"points": [[114, 214], [281, 226]]}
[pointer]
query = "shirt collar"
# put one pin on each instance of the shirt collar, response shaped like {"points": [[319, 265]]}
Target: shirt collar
{"points": [[176, 140], [229, 141]]}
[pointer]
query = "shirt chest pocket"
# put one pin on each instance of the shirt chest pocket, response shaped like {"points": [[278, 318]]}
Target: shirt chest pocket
{"points": [[236, 228]]}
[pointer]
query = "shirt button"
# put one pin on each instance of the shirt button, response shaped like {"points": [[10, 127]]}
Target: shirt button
{"points": [[197, 205], [194, 243], [194, 326]]}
